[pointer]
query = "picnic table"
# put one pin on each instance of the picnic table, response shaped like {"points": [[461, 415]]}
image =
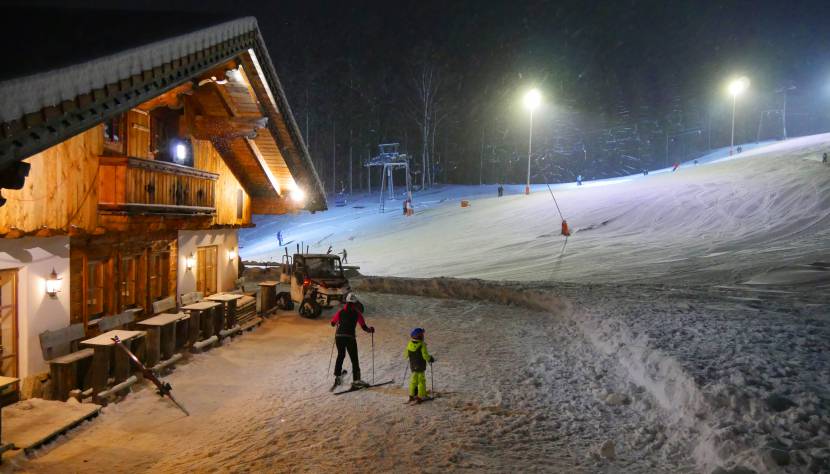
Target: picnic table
{"points": [[228, 312], [102, 346], [161, 336], [5, 382], [201, 317]]}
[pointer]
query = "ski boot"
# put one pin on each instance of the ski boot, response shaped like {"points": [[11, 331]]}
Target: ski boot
{"points": [[359, 384], [337, 381]]}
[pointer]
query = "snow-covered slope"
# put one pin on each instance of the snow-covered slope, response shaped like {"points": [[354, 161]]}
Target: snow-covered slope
{"points": [[725, 220]]}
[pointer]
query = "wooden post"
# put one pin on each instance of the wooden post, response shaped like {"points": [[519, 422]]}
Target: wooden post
{"points": [[100, 368], [121, 366], [195, 325], [168, 340], [207, 323], [153, 345], [231, 313]]}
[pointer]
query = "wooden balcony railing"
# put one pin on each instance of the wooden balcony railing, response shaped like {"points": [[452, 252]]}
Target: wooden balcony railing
{"points": [[137, 185]]}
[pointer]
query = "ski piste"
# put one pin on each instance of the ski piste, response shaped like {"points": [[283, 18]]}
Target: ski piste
{"points": [[355, 389], [164, 388]]}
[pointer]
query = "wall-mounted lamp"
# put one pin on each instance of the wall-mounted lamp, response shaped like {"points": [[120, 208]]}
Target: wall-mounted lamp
{"points": [[190, 261], [53, 284], [231, 254]]}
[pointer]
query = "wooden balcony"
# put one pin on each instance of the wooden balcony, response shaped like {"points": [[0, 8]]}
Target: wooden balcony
{"points": [[139, 186]]}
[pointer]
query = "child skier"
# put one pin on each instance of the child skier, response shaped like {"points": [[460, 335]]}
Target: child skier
{"points": [[416, 352]]}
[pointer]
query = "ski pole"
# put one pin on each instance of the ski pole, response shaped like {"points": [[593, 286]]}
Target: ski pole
{"points": [[331, 354], [405, 368], [432, 378], [373, 358]]}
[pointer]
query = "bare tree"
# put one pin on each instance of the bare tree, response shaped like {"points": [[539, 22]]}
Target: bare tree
{"points": [[426, 84]]}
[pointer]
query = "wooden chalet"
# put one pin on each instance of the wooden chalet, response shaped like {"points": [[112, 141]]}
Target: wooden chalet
{"points": [[128, 162]]}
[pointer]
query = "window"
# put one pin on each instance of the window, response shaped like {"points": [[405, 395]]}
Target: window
{"points": [[164, 135], [127, 275], [114, 135], [94, 289], [206, 269], [159, 271]]}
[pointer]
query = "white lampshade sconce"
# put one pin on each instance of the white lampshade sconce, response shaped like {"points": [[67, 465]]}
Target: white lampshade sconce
{"points": [[231, 254], [53, 284], [190, 262]]}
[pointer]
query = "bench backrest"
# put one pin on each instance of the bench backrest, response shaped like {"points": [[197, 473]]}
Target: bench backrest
{"points": [[60, 342], [192, 297], [108, 323], [165, 305]]}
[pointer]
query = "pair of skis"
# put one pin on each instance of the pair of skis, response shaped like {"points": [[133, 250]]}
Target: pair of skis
{"points": [[355, 389], [164, 388]]}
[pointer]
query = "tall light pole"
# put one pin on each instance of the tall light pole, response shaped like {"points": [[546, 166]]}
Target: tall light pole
{"points": [[532, 100], [736, 88]]}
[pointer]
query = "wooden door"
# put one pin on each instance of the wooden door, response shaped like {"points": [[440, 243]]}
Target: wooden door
{"points": [[8, 323], [206, 269], [138, 134]]}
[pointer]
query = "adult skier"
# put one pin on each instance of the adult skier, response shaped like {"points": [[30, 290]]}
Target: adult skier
{"points": [[416, 352], [346, 320]]}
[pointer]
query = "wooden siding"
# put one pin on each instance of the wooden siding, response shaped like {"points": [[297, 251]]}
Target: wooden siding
{"points": [[206, 158], [61, 189]]}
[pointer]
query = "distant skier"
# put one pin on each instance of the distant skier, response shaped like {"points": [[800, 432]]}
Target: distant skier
{"points": [[501, 188], [279, 237], [579, 180], [824, 158], [345, 256], [645, 172], [344, 338], [416, 353], [676, 165]]}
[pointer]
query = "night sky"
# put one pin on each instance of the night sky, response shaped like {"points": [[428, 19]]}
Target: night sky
{"points": [[618, 78]]}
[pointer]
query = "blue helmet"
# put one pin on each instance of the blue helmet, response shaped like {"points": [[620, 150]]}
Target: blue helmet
{"points": [[416, 333]]}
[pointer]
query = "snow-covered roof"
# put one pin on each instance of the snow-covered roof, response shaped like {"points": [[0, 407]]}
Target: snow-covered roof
{"points": [[28, 94]]}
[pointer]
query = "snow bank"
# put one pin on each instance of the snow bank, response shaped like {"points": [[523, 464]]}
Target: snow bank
{"points": [[29, 94]]}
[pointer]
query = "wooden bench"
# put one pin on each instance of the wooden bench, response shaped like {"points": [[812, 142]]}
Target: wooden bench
{"points": [[166, 305], [190, 298], [69, 367], [119, 321]]}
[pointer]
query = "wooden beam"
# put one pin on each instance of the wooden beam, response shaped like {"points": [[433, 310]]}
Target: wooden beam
{"points": [[209, 127], [171, 98]]}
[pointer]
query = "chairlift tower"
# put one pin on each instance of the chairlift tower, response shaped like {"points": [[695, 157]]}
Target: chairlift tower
{"points": [[390, 159]]}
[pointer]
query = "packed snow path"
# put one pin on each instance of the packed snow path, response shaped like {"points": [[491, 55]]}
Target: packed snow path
{"points": [[522, 392]]}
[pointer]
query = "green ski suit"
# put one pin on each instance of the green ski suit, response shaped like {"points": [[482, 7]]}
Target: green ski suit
{"points": [[416, 353]]}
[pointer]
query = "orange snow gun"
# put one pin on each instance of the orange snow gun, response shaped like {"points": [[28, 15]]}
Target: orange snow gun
{"points": [[565, 230]]}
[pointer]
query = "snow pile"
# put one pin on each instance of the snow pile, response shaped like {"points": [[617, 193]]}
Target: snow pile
{"points": [[30, 94], [737, 387]]}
